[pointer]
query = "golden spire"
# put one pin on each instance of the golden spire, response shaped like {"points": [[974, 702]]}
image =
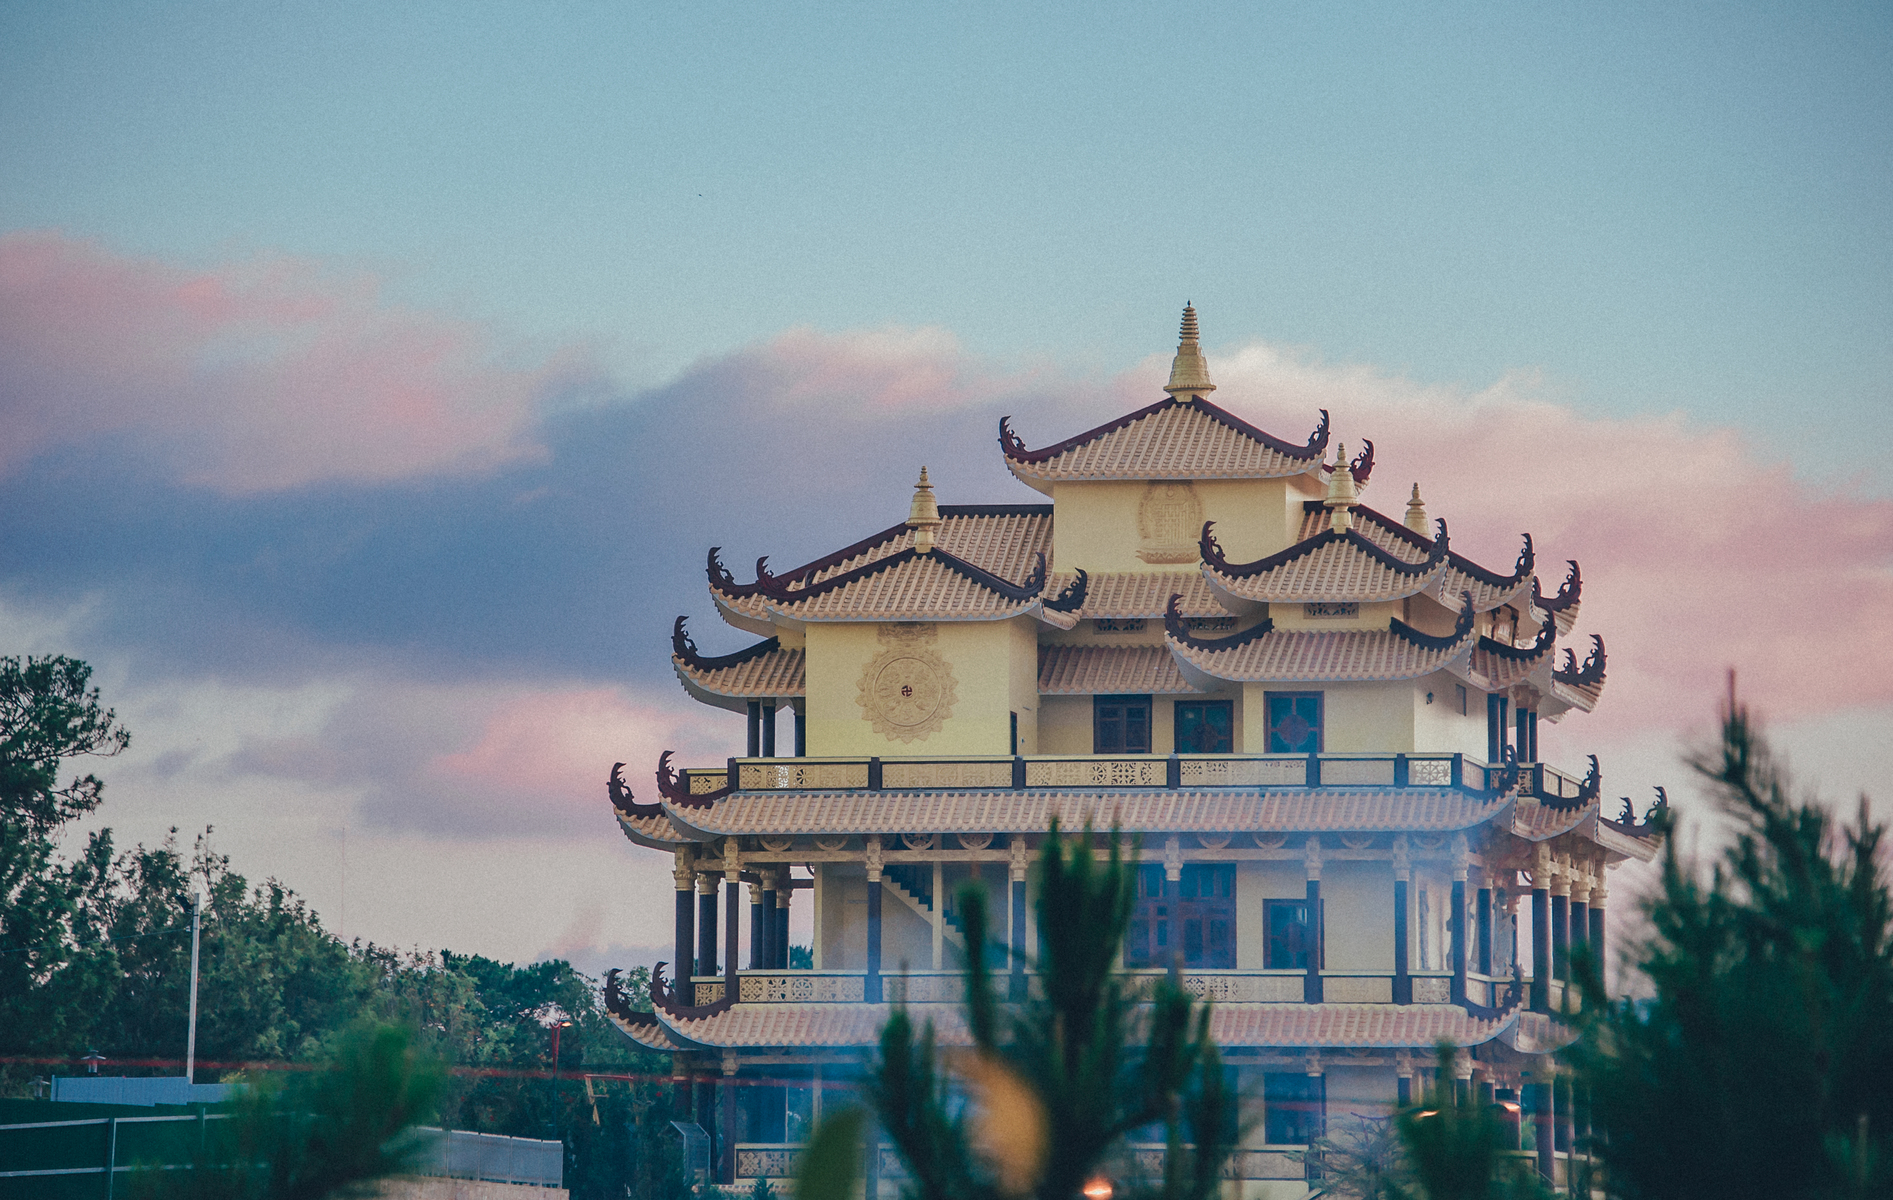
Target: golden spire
{"points": [[1416, 513], [924, 516], [1189, 370], [1342, 494]]}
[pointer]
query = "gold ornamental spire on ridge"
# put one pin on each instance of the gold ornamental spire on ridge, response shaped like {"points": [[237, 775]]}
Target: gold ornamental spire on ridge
{"points": [[1189, 370], [923, 516]]}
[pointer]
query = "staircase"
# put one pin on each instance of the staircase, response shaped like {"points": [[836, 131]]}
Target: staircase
{"points": [[913, 883]]}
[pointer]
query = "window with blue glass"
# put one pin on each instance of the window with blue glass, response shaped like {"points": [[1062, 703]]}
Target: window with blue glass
{"points": [[1120, 725], [1294, 1108], [1294, 722], [1293, 935], [1192, 919], [1205, 727]]}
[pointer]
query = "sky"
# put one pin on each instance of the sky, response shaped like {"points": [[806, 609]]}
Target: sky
{"points": [[374, 377]]}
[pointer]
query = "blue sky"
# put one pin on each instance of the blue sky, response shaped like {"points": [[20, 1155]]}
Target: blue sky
{"points": [[607, 251]]}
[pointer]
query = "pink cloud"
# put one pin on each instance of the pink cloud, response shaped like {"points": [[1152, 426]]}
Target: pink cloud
{"points": [[1701, 551], [248, 377], [560, 742]]}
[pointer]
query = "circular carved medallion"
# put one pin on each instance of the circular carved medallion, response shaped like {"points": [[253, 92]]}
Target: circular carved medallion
{"points": [[907, 690], [976, 841], [831, 844]]}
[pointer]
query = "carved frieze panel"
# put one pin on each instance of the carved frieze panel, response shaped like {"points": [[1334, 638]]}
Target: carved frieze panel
{"points": [[1169, 520], [907, 690]]}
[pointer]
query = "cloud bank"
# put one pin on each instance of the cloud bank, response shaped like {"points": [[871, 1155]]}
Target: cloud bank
{"points": [[284, 483], [249, 377]]}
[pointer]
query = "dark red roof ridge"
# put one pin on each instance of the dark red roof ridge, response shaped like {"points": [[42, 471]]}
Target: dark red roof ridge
{"points": [[1174, 626], [722, 581], [1014, 447], [1213, 557], [1484, 575], [685, 648]]}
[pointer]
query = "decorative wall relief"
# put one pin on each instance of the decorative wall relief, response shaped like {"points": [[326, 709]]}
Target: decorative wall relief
{"points": [[907, 690], [1169, 522], [1331, 610]]}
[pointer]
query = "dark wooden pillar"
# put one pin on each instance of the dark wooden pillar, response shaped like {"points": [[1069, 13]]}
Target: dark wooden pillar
{"points": [[801, 734], [1560, 937], [779, 938], [680, 1085], [871, 986], [684, 965], [706, 930], [1311, 983], [730, 932], [1482, 920], [1597, 930], [762, 903], [1540, 946], [727, 1173], [1561, 1110], [1456, 922], [768, 729], [1016, 987], [755, 728], [1540, 1088], [1402, 968]]}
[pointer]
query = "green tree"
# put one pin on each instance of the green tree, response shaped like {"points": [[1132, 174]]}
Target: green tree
{"points": [[1454, 1146], [51, 973], [1057, 1083], [1762, 1065], [331, 1133]]}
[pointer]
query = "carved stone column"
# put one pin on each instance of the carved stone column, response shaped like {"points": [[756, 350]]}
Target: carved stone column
{"points": [[1403, 1077]]}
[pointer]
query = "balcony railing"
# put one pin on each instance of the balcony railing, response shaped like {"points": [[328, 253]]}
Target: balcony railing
{"points": [[1229, 986], [1423, 770]]}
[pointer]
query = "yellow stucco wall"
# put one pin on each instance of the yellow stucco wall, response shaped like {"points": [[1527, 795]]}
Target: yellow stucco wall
{"points": [[981, 655], [1256, 882], [1357, 718], [1358, 897], [1064, 725], [1439, 727], [1096, 524]]}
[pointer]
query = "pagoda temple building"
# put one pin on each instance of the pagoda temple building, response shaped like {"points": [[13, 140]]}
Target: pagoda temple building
{"points": [[1317, 719]]}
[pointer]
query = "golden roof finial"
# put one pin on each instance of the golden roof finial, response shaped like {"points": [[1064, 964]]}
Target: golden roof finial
{"points": [[1189, 370], [1416, 513], [924, 515], [1342, 494]]}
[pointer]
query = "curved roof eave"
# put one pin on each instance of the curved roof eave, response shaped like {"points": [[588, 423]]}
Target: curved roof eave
{"points": [[638, 837], [704, 695]]}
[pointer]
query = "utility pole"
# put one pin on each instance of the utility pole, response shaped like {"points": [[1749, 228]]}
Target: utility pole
{"points": [[190, 1043]]}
